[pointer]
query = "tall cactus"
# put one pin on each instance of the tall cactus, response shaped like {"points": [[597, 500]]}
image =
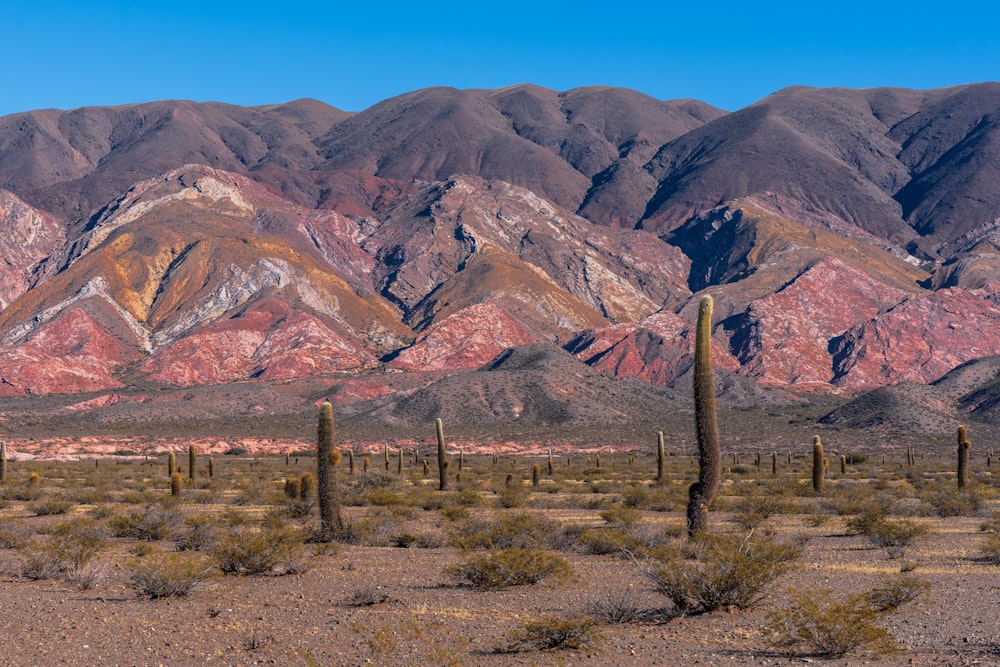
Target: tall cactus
{"points": [[192, 463], [661, 455], [3, 461], [703, 491], [326, 459], [963, 457], [442, 457], [171, 464], [819, 465]]}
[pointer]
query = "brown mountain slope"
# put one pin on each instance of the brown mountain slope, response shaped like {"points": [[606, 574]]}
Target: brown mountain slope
{"points": [[71, 162]]}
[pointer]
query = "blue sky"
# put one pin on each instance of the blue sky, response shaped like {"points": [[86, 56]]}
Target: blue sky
{"points": [[351, 55]]}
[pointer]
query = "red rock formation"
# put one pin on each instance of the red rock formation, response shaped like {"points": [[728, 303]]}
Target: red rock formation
{"points": [[71, 353], [919, 340], [784, 338], [468, 339], [269, 340], [658, 349], [27, 236]]}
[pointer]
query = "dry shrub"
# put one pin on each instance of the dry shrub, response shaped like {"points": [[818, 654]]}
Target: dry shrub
{"points": [[726, 571], [828, 627], [520, 530], [511, 567], [152, 522], [247, 550], [170, 575], [896, 591], [555, 632]]}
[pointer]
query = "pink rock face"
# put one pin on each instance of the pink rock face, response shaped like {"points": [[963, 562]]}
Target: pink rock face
{"points": [[918, 340], [27, 236], [658, 349], [69, 354], [468, 339], [785, 337], [269, 341]]}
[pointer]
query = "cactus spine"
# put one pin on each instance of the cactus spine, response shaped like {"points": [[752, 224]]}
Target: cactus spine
{"points": [[819, 465], [963, 457], [171, 464], [192, 463], [326, 458], [442, 460], [703, 491], [3, 461]]}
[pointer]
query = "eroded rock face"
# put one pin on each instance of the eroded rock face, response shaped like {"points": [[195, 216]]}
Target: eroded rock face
{"points": [[658, 349], [269, 341], [27, 236], [919, 340], [69, 354], [468, 339], [784, 339]]}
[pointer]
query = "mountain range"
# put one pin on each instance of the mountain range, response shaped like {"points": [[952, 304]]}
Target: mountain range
{"points": [[397, 259]]}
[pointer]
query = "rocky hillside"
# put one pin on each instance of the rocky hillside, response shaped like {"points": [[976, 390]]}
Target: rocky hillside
{"points": [[850, 238]]}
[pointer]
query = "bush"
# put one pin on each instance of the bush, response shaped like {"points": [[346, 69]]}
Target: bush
{"points": [[616, 606], [197, 533], [511, 567], [554, 632], [245, 550], [991, 548], [725, 572], [50, 507], [898, 533], [623, 516], [952, 502], [828, 627], [149, 523], [520, 530], [170, 575], [897, 591], [76, 542]]}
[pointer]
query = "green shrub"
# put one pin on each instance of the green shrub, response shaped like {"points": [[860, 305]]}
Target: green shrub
{"points": [[991, 548], [554, 632], [197, 533], [510, 567], [895, 533], [829, 627]]}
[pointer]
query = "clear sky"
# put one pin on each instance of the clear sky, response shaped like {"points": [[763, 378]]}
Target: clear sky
{"points": [[352, 55]]}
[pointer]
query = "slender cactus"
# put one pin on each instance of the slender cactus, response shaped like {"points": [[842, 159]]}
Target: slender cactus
{"points": [[549, 468], [171, 464], [536, 471], [819, 465], [211, 467], [843, 464], [350, 460], [774, 463], [963, 457], [702, 493], [399, 462], [385, 452], [3, 461], [442, 459], [661, 456], [176, 482], [327, 458], [192, 463]]}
